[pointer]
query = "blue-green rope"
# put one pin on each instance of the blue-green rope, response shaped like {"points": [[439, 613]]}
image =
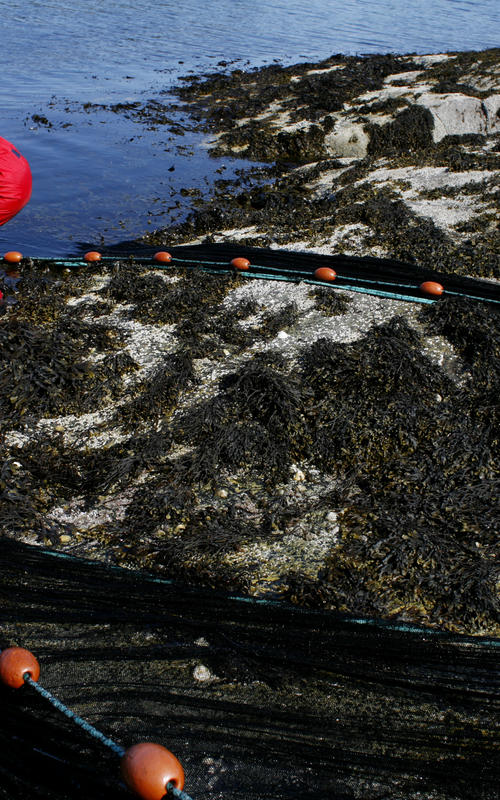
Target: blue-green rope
{"points": [[269, 273], [262, 601], [74, 717], [173, 790], [88, 728]]}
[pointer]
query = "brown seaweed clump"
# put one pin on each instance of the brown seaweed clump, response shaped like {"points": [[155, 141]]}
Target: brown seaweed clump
{"points": [[358, 476], [418, 537]]}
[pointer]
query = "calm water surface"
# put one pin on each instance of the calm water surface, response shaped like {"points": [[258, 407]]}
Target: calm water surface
{"points": [[99, 177]]}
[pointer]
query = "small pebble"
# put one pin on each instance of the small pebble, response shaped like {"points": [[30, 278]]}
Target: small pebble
{"points": [[64, 539], [221, 493], [202, 673]]}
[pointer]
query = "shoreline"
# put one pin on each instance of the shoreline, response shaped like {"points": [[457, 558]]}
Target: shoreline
{"points": [[393, 156]]}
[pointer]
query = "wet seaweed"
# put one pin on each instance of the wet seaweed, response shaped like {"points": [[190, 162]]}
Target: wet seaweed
{"points": [[328, 302], [471, 327], [48, 371], [410, 130], [310, 97], [254, 422], [369, 450], [152, 299], [289, 211], [159, 393]]}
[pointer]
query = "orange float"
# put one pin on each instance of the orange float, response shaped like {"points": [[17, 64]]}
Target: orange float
{"points": [[92, 255], [432, 288], [13, 257], [147, 768], [325, 274], [240, 263], [15, 662], [162, 257]]}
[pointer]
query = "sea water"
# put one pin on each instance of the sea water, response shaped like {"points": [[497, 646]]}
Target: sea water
{"points": [[101, 177]]}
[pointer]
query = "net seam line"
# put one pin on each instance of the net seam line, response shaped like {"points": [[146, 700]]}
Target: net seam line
{"points": [[400, 628]]}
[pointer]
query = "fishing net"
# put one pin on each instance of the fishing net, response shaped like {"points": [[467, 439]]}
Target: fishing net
{"points": [[257, 700], [307, 692]]}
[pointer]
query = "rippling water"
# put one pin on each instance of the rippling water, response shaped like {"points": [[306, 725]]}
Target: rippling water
{"points": [[99, 174]]}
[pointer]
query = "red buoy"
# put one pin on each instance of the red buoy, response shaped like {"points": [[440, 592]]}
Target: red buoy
{"points": [[162, 257], [92, 255], [148, 767], [13, 257], [240, 263], [325, 274], [15, 181], [14, 663], [432, 288]]}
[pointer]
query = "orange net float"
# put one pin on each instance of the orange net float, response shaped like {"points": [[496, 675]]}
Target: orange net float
{"points": [[432, 287], [325, 274], [13, 257], [15, 662], [92, 255], [147, 768], [162, 257], [240, 263]]}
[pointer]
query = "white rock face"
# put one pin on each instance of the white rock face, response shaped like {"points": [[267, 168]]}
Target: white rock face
{"points": [[492, 106], [348, 139], [457, 114]]}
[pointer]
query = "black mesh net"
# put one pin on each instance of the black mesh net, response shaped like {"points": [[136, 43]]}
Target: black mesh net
{"points": [[258, 700]]}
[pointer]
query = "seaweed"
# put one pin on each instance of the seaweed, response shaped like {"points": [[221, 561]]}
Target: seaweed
{"points": [[308, 96], [159, 393], [386, 362], [473, 330], [330, 303], [152, 299], [44, 370], [410, 130], [254, 422], [471, 327], [372, 436]]}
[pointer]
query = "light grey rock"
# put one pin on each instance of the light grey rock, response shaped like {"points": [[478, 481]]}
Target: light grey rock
{"points": [[348, 140], [457, 114]]}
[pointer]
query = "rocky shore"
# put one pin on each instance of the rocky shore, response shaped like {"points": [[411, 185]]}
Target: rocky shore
{"points": [[299, 443], [386, 155]]}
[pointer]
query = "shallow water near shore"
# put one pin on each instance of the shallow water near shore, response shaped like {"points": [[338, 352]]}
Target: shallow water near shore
{"points": [[101, 177]]}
